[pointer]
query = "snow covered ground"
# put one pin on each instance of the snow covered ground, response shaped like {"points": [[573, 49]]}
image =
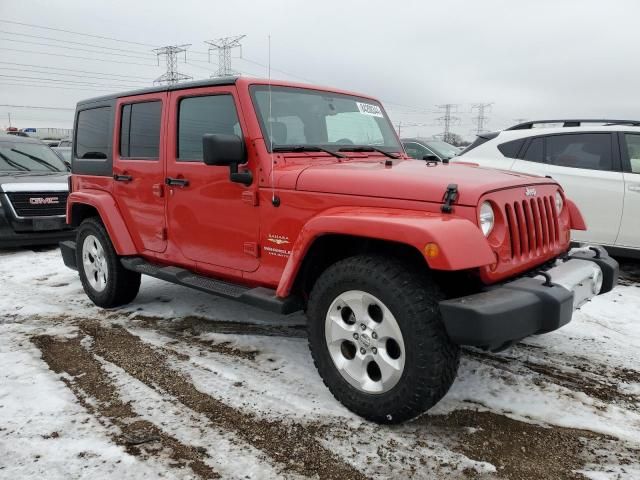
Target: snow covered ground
{"points": [[183, 385]]}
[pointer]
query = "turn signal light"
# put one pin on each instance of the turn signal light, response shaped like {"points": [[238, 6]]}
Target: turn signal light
{"points": [[431, 250]]}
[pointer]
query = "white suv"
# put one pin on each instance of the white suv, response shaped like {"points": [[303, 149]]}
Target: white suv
{"points": [[596, 161]]}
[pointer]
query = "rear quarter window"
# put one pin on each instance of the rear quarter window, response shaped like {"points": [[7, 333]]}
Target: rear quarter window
{"points": [[93, 133], [512, 148]]}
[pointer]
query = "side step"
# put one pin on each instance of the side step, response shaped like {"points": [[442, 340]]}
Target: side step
{"points": [[260, 297]]}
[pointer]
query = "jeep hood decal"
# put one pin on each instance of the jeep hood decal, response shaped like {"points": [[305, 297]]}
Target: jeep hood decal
{"points": [[410, 180]]}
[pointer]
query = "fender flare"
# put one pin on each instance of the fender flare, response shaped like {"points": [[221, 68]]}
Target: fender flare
{"points": [[462, 244], [110, 215], [576, 220]]}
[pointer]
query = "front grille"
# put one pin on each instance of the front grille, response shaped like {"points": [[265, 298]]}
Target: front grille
{"points": [[533, 226], [38, 204]]}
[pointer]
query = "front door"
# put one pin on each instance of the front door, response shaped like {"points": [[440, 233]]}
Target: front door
{"points": [[138, 168], [212, 220]]}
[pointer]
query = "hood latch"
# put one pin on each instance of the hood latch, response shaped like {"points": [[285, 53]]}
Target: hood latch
{"points": [[450, 196]]}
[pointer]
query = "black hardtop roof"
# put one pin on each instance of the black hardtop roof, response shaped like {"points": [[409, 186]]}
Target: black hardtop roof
{"points": [[211, 82]]}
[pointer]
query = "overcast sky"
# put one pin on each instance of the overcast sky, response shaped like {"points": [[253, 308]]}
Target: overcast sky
{"points": [[531, 59]]}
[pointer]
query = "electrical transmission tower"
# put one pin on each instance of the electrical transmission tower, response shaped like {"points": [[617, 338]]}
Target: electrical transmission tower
{"points": [[224, 46], [171, 53], [481, 119], [448, 120]]}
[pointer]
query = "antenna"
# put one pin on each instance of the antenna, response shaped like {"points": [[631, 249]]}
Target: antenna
{"points": [[275, 201]]}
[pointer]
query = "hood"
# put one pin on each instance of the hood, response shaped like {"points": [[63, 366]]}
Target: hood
{"points": [[33, 182], [411, 180]]}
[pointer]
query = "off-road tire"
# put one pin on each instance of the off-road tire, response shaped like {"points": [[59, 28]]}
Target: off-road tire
{"points": [[431, 361], [122, 285]]}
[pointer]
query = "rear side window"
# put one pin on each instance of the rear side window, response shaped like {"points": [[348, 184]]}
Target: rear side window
{"points": [[535, 150], [633, 149], [586, 150], [512, 148], [92, 136], [140, 130], [200, 115]]}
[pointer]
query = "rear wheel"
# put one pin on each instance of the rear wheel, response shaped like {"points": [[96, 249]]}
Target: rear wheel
{"points": [[377, 338], [105, 281]]}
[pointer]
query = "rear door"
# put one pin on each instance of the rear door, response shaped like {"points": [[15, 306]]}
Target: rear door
{"points": [[138, 168], [629, 235]]}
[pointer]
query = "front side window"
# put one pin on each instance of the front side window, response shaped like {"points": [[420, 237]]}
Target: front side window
{"points": [[140, 130], [633, 148], [28, 157], [415, 150], [297, 117], [585, 150], [443, 149], [92, 136], [200, 115]]}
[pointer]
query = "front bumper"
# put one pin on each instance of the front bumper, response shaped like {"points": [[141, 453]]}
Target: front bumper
{"points": [[504, 314]]}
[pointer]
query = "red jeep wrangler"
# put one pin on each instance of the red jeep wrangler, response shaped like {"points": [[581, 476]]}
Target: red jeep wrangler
{"points": [[291, 197]]}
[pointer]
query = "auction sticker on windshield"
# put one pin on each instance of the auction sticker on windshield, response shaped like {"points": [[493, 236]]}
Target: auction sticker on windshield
{"points": [[368, 109]]}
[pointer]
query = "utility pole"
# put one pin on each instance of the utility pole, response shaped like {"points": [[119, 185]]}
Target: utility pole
{"points": [[481, 119], [9, 115], [171, 53], [224, 46], [447, 120]]}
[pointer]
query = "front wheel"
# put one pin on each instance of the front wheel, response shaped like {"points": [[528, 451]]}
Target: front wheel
{"points": [[377, 338]]}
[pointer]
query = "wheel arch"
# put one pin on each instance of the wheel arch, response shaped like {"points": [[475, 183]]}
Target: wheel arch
{"points": [[85, 204], [341, 231]]}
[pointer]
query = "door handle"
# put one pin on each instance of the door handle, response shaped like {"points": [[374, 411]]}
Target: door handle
{"points": [[122, 178], [176, 182], [634, 188]]}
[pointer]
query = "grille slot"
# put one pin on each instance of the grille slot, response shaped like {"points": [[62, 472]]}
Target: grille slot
{"points": [[38, 204], [533, 226]]}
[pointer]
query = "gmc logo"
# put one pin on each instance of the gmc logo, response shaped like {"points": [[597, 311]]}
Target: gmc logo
{"points": [[44, 200]]}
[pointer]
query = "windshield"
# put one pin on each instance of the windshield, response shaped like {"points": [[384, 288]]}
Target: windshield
{"points": [[301, 117], [29, 157], [444, 149]]}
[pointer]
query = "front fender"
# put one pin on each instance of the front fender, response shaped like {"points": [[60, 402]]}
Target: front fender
{"points": [[110, 215], [462, 244]]}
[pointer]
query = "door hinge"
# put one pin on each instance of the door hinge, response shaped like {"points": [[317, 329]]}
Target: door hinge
{"points": [[250, 197], [162, 234], [251, 249]]}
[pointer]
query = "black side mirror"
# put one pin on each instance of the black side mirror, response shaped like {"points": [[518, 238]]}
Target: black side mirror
{"points": [[222, 149], [431, 158]]}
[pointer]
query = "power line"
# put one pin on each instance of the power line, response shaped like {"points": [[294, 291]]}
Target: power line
{"points": [[75, 56], [70, 70], [27, 42], [70, 41], [77, 33], [224, 46], [57, 80], [39, 107], [171, 52], [70, 75], [56, 87]]}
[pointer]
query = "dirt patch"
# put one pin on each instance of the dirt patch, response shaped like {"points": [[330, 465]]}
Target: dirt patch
{"points": [[587, 380], [292, 446], [518, 450], [95, 391]]}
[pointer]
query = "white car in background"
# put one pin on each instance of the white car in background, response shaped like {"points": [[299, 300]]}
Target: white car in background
{"points": [[597, 162]]}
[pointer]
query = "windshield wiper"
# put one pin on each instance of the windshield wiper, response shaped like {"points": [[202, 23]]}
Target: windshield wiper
{"points": [[14, 164], [307, 148], [368, 148], [37, 159]]}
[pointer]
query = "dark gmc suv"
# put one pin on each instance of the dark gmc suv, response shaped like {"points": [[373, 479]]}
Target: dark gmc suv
{"points": [[33, 193]]}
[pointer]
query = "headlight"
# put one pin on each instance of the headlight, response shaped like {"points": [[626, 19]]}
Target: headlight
{"points": [[559, 202], [486, 218]]}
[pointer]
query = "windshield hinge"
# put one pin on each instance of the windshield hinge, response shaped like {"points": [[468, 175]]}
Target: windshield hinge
{"points": [[450, 196]]}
